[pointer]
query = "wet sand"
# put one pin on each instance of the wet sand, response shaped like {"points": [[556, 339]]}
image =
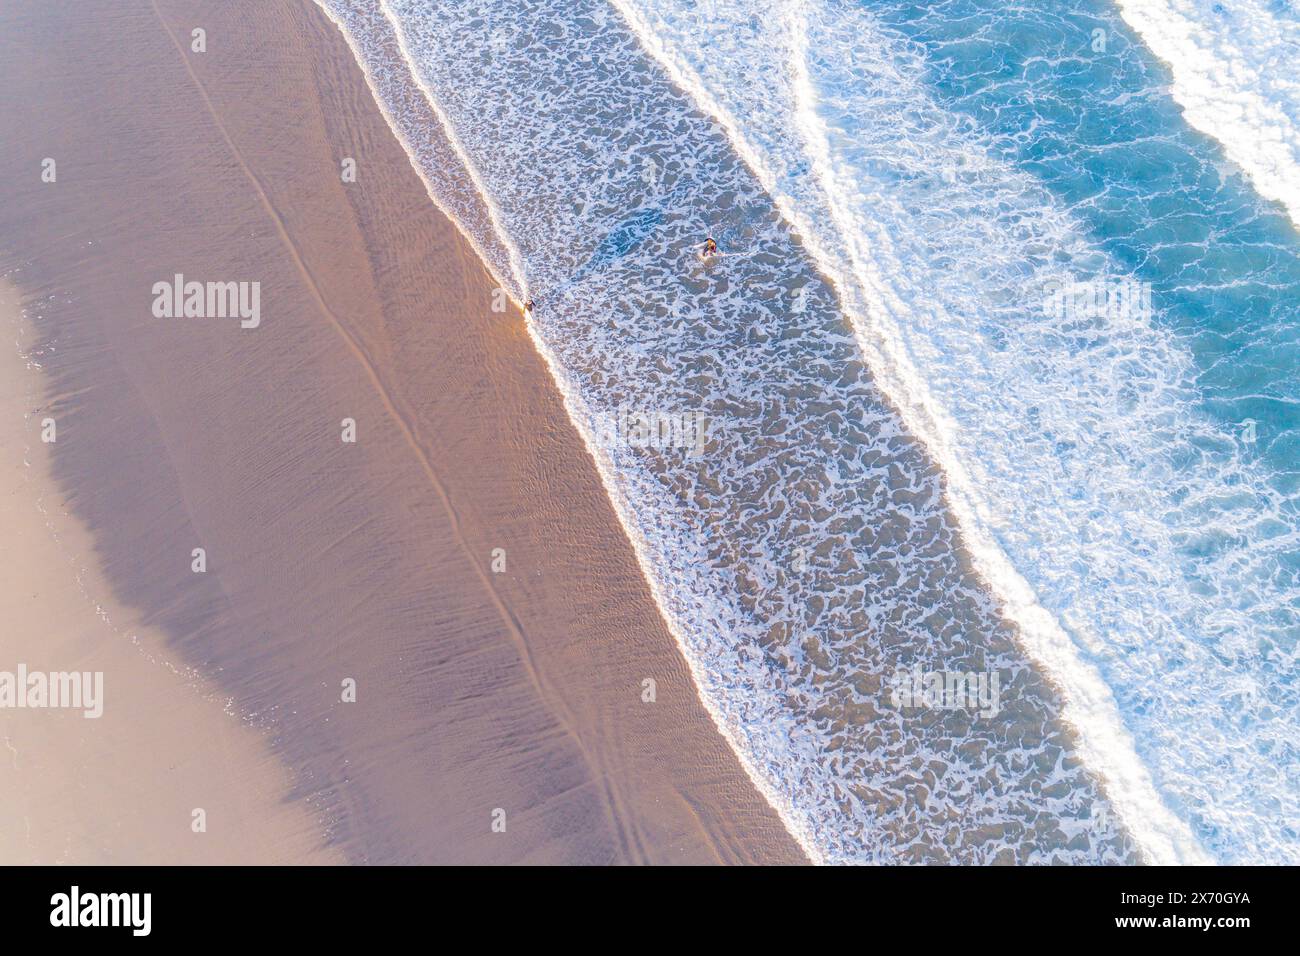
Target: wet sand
{"points": [[376, 561]]}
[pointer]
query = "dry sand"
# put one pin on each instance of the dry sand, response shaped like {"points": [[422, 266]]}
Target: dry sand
{"points": [[121, 787], [326, 560]]}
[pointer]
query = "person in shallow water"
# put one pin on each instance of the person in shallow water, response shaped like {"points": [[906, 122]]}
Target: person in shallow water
{"points": [[710, 248], [528, 306]]}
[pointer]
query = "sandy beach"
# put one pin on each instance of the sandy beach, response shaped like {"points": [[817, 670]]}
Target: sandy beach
{"points": [[458, 563]]}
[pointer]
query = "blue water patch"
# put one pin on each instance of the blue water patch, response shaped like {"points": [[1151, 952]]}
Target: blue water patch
{"points": [[1071, 96], [622, 239]]}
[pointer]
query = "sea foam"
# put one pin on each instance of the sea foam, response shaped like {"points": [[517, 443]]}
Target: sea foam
{"points": [[1235, 73]]}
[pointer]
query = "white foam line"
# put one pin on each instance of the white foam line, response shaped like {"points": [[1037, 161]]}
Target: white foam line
{"points": [[1218, 75], [471, 170], [1090, 708], [517, 288], [623, 509]]}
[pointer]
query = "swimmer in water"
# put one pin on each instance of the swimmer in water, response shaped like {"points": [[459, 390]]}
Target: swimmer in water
{"points": [[710, 248]]}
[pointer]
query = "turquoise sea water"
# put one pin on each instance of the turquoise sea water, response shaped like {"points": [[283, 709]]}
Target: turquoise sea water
{"points": [[1100, 131]]}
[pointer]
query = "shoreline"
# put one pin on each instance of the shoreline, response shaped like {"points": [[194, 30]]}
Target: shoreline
{"points": [[478, 689]]}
